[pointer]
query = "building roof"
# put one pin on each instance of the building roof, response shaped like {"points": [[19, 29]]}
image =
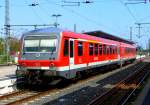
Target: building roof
{"points": [[108, 36]]}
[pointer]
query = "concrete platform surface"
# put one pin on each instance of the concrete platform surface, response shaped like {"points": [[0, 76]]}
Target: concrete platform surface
{"points": [[144, 96], [7, 71]]}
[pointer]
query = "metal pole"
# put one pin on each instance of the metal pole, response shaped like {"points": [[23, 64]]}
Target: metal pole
{"points": [[131, 33], [75, 28], [7, 27], [149, 46], [139, 30], [56, 21], [56, 16]]}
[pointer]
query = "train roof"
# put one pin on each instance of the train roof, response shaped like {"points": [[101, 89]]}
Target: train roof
{"points": [[46, 30], [98, 33], [105, 35]]}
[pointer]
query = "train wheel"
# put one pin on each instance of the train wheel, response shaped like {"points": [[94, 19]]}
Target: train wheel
{"points": [[21, 83], [78, 75]]}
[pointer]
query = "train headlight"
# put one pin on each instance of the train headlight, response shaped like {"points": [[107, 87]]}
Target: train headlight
{"points": [[51, 64]]}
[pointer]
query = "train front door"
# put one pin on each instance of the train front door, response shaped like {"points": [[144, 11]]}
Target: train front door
{"points": [[71, 53]]}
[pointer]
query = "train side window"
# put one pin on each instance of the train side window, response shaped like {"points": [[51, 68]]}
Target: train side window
{"points": [[96, 49], [66, 47], [110, 47], [100, 49], [80, 48], [104, 50], [71, 48], [113, 50], [128, 50], [117, 50], [107, 50], [90, 49]]}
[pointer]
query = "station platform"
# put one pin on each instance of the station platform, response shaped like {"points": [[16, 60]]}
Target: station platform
{"points": [[144, 96], [7, 71], [7, 78]]}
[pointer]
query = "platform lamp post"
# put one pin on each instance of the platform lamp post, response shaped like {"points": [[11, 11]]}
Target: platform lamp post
{"points": [[56, 16], [149, 47]]}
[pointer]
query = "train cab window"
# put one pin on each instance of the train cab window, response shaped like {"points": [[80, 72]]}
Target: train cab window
{"points": [[96, 49], [66, 47], [90, 49], [100, 49], [104, 50], [80, 48]]}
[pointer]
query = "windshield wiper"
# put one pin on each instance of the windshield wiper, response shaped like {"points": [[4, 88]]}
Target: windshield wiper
{"points": [[53, 49]]}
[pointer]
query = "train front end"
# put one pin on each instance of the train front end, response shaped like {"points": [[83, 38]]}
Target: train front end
{"points": [[38, 56]]}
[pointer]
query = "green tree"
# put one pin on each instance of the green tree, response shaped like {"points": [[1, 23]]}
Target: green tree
{"points": [[14, 44], [1, 46]]}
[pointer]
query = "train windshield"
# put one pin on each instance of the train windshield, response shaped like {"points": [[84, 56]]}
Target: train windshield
{"points": [[40, 44]]}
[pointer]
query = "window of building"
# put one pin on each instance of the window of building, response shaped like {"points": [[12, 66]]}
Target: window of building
{"points": [[90, 49], [100, 49], [96, 49], [66, 43], [80, 48]]}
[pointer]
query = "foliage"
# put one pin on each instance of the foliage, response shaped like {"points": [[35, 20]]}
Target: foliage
{"points": [[1, 46], [4, 58], [14, 46]]}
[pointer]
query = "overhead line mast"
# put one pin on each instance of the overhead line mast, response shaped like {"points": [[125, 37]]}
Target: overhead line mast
{"points": [[139, 27], [7, 27]]}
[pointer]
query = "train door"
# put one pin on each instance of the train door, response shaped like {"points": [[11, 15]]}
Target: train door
{"points": [[71, 53]]}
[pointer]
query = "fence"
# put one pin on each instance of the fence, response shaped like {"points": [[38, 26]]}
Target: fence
{"points": [[4, 59]]}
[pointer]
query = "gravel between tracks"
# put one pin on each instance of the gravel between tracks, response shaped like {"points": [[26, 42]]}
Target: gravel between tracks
{"points": [[83, 92]]}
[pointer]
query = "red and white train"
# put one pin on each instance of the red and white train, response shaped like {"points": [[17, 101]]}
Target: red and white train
{"points": [[53, 52]]}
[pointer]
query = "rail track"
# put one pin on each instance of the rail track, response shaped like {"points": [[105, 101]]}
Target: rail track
{"points": [[123, 90], [20, 97]]}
